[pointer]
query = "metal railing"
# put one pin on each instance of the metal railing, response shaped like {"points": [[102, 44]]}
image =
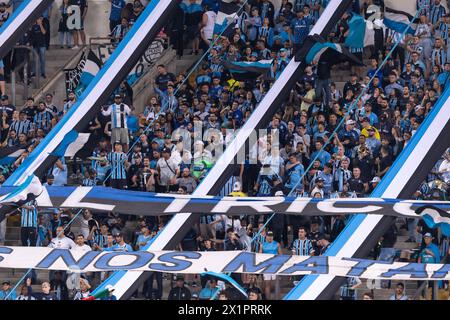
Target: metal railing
{"points": [[26, 76]]}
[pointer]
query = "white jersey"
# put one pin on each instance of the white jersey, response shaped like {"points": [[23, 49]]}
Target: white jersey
{"points": [[208, 30], [83, 248], [62, 243], [119, 113]]}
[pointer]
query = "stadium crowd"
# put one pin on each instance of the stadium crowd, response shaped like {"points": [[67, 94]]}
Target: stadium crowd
{"points": [[298, 155]]}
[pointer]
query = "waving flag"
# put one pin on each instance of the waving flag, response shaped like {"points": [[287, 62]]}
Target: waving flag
{"points": [[10, 154], [153, 204], [398, 14], [226, 17], [226, 278], [218, 263], [27, 191], [248, 70], [73, 142], [333, 53], [91, 67], [360, 35]]}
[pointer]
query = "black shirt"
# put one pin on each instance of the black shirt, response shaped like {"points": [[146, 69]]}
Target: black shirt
{"points": [[81, 3], [355, 87], [37, 38], [178, 293], [162, 80], [323, 70], [385, 162], [356, 185], [9, 109], [30, 112], [390, 237]]}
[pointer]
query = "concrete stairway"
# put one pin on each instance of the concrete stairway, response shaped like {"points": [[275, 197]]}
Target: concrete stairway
{"points": [[56, 60]]}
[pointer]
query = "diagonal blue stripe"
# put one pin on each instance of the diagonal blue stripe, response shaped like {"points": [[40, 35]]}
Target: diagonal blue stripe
{"points": [[357, 220]]}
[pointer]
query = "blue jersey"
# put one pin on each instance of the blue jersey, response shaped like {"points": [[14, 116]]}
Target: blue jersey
{"points": [[265, 185], [202, 79], [101, 240], [270, 247], [294, 176], [117, 161], [29, 216], [302, 247], [436, 13], [215, 92], [260, 239], [43, 120], [323, 156], [143, 239], [300, 29], [4, 294], [125, 248], [116, 9], [428, 258]]}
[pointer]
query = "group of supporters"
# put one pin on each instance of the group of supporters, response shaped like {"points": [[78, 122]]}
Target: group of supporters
{"points": [[322, 142]]}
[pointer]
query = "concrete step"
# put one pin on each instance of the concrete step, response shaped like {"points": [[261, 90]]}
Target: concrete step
{"points": [[55, 59]]}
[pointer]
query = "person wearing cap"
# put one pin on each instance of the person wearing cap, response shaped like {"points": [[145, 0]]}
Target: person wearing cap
{"points": [[49, 180], [237, 190], [326, 176], [430, 253], [200, 153], [168, 143], [7, 290], [119, 129], [300, 27], [349, 134], [373, 183], [180, 291], [168, 170], [373, 139], [269, 246], [318, 190]]}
